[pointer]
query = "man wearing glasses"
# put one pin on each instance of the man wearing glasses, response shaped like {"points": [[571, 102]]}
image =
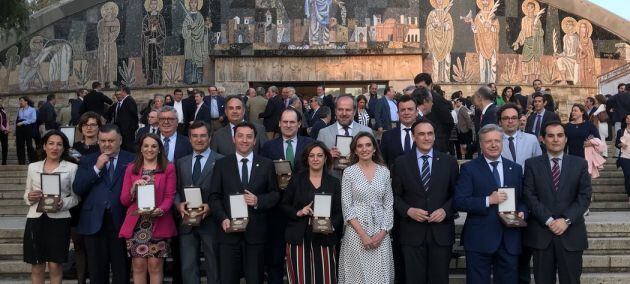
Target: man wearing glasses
{"points": [[175, 145]]}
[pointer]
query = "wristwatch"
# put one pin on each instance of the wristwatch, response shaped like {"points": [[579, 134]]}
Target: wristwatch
{"points": [[568, 221]]}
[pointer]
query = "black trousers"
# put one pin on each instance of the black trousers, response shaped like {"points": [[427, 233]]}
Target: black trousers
{"points": [[241, 258], [524, 271], [105, 249], [24, 138], [555, 258], [4, 142], [427, 263]]}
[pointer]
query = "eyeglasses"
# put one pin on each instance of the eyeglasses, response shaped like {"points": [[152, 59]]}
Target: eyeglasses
{"points": [[506, 118], [91, 125], [169, 119]]}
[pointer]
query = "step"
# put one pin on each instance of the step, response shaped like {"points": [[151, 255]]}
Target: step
{"points": [[14, 194], [591, 263], [586, 278], [12, 173], [12, 180], [619, 197], [12, 187], [610, 206], [608, 181], [609, 189], [12, 210]]}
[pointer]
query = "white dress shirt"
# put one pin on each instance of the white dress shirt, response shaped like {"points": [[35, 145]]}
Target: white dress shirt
{"points": [[180, 111], [403, 133]]}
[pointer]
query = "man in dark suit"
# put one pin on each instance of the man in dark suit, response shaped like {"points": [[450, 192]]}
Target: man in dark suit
{"points": [[385, 107], [426, 228], [440, 113], [372, 97], [558, 192], [126, 117], [491, 247], [287, 147], [324, 116], [47, 113], [486, 109], [312, 115], [95, 101], [223, 139], [98, 182], [202, 111], [520, 99], [153, 126], [216, 103], [76, 105], [399, 140], [196, 170], [272, 112], [252, 176], [540, 116]]}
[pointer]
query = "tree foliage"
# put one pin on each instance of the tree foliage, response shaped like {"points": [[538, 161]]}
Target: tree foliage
{"points": [[14, 15]]}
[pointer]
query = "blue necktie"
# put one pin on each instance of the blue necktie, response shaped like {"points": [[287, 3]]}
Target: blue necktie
{"points": [[166, 145], [197, 169], [244, 173], [495, 173], [111, 169], [425, 174], [407, 140]]}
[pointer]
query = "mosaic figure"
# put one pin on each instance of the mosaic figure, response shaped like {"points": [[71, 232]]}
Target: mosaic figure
{"points": [[58, 53], [586, 53], [485, 27], [531, 38], [440, 38], [153, 35], [108, 29], [318, 14], [566, 61], [195, 33]]}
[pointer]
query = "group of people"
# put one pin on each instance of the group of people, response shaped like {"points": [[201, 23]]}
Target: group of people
{"points": [[393, 201]]}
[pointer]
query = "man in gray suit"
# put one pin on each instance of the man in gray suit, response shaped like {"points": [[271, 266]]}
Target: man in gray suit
{"points": [[345, 106], [256, 104], [195, 170], [222, 140]]}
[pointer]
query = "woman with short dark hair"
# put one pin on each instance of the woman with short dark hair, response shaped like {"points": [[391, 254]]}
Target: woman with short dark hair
{"points": [[579, 130]]}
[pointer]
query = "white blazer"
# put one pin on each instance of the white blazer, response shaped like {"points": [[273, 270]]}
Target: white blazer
{"points": [[67, 171]]}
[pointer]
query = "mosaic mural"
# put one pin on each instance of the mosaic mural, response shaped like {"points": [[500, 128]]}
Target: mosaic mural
{"points": [[171, 42]]}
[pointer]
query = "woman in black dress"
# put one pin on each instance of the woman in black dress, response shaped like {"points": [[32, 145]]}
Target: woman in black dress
{"points": [[311, 257], [578, 130]]}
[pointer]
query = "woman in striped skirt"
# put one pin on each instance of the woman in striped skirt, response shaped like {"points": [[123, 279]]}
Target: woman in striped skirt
{"points": [[311, 257]]}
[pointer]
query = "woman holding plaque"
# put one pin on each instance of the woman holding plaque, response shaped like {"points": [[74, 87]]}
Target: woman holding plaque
{"points": [[47, 231], [310, 256], [368, 210], [148, 232]]}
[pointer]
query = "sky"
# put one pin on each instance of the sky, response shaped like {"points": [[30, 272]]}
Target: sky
{"points": [[619, 7]]}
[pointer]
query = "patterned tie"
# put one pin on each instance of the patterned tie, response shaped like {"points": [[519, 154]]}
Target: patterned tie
{"points": [[495, 173], [166, 145], [111, 169], [244, 172], [407, 140], [555, 173], [538, 123], [512, 148], [345, 128], [197, 169], [289, 154], [425, 173]]}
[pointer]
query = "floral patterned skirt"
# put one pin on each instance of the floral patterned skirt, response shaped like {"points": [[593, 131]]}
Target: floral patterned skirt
{"points": [[142, 243]]}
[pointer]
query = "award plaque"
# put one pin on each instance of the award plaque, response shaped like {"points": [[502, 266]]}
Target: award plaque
{"points": [[238, 214], [70, 132], [342, 143], [194, 206], [321, 214], [283, 173], [51, 190], [507, 209], [146, 198]]}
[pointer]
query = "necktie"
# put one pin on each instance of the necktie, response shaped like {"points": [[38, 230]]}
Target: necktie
{"points": [[197, 169], [117, 108], [495, 172], [425, 174], [166, 145], [512, 148], [289, 154], [111, 168], [555, 173], [538, 122], [407, 140], [345, 128], [244, 172]]}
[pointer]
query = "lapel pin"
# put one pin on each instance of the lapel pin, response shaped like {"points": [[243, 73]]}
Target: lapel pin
{"points": [[510, 168], [256, 165]]}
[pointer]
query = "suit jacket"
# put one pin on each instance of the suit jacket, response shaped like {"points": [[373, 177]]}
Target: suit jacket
{"points": [[127, 119], [188, 108], [75, 111], [95, 101], [441, 117], [382, 114], [570, 201], [522, 101], [300, 193], [223, 143], [272, 113], [547, 117], [184, 179], [203, 114], [391, 145], [165, 187], [274, 150], [312, 116], [182, 147], [409, 193], [316, 127], [483, 231], [490, 117], [262, 183], [255, 106], [97, 190], [48, 116], [142, 131], [328, 135]]}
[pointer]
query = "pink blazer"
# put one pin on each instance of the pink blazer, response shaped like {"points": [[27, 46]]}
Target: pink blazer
{"points": [[165, 182]]}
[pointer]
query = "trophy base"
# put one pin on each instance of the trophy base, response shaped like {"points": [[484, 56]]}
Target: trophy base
{"points": [[341, 163], [193, 218], [283, 181], [143, 211], [238, 225], [511, 220], [48, 204], [322, 226]]}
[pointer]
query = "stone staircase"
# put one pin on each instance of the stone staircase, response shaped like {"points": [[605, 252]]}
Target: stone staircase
{"points": [[606, 261]]}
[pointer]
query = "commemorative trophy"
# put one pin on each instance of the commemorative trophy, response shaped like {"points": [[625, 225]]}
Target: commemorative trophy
{"points": [[283, 173], [321, 214], [146, 199], [238, 214], [194, 206], [51, 190], [507, 210], [342, 143]]}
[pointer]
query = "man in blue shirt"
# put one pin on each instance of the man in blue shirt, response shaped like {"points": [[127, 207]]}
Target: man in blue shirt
{"points": [[386, 112], [24, 125]]}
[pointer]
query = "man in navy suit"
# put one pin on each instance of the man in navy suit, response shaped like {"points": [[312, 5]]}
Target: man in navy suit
{"points": [[153, 126], [486, 109], [491, 248], [202, 111], [99, 183], [540, 117], [175, 145], [399, 140], [386, 112], [217, 108], [287, 147]]}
